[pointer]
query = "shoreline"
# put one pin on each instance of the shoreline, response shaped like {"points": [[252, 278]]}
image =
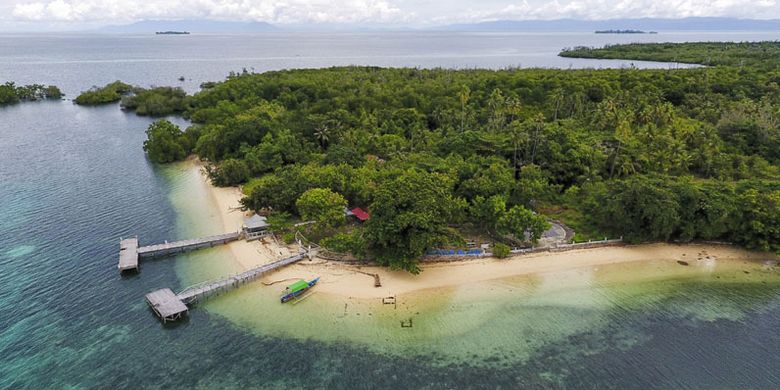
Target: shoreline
{"points": [[348, 280]]}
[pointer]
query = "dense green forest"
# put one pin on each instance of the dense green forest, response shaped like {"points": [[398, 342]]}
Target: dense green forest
{"points": [[10, 93], [753, 54], [438, 156], [157, 101]]}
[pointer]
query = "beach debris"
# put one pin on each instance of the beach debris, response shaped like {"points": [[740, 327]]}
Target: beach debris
{"points": [[406, 324], [278, 281], [345, 311], [389, 300], [685, 263], [377, 282]]}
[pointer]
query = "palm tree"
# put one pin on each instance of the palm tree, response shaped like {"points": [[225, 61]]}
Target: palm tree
{"points": [[517, 136], [497, 103], [538, 127], [513, 108], [557, 97], [464, 95], [607, 114], [322, 136], [576, 102], [622, 135]]}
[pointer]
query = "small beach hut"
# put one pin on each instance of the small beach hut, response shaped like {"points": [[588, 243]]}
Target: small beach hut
{"points": [[255, 226]]}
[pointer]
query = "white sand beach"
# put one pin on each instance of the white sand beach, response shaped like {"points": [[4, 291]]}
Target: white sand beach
{"points": [[352, 281]]}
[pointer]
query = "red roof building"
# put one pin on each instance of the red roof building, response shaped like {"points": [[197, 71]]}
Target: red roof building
{"points": [[360, 214]]}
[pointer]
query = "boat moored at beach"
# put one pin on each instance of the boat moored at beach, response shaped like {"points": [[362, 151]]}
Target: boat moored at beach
{"points": [[298, 289]]}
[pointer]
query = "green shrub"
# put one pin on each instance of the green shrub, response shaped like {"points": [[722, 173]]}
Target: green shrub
{"points": [[165, 142], [322, 205], [288, 238], [109, 93], [158, 101], [340, 242], [230, 172], [501, 250]]}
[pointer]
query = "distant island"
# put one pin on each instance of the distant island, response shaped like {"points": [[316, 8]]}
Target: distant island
{"points": [[172, 33], [625, 32], [646, 24], [200, 26]]}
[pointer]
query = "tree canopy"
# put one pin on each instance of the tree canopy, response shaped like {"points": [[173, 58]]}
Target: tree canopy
{"points": [[322, 206], [165, 142], [682, 154], [410, 214]]}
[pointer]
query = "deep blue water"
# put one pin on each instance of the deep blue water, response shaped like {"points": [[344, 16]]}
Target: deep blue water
{"points": [[73, 180]]}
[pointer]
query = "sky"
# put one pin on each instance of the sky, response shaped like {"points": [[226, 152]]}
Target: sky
{"points": [[74, 14]]}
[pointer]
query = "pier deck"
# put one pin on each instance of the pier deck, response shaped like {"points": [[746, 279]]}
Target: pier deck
{"points": [[130, 252], [198, 292], [166, 305], [186, 245]]}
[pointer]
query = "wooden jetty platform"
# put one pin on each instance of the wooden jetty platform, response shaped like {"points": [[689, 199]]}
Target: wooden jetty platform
{"points": [[166, 305], [130, 252], [170, 307]]}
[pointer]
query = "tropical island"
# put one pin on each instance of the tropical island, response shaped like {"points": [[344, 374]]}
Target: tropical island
{"points": [[628, 31], [172, 33], [439, 158], [756, 55]]}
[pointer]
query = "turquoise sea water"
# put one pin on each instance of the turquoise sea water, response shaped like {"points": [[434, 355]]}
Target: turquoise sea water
{"points": [[73, 180]]}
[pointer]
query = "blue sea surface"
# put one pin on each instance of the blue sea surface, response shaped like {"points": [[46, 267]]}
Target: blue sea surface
{"points": [[75, 62]]}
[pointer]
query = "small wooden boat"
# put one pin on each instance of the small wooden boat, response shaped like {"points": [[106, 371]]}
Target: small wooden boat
{"points": [[298, 289]]}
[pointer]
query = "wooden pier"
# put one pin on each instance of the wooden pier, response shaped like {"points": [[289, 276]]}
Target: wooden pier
{"points": [[166, 305], [170, 307], [130, 252]]}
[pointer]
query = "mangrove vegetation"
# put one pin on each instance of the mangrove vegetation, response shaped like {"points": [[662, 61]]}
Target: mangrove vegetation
{"points": [[156, 101], [10, 93], [109, 93]]}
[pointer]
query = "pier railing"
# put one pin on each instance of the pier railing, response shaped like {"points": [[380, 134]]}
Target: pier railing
{"points": [[202, 290], [130, 252]]}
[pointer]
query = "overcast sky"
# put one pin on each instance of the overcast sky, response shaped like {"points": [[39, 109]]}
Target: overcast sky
{"points": [[409, 13]]}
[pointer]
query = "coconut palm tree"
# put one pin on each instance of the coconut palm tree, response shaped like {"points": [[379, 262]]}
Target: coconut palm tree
{"points": [[321, 133], [464, 95], [557, 96]]}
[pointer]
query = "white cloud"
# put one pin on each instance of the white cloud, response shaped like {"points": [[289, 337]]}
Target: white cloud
{"points": [[405, 12], [278, 11], [612, 9]]}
